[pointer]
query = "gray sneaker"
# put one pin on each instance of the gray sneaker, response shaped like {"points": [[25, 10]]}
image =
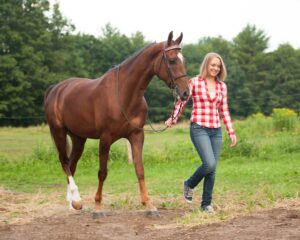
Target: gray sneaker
{"points": [[208, 209], [187, 193]]}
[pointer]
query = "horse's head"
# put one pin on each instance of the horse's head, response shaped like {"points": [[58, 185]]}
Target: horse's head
{"points": [[170, 67]]}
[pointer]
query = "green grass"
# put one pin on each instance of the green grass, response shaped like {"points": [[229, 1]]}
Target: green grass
{"points": [[262, 169], [17, 143]]}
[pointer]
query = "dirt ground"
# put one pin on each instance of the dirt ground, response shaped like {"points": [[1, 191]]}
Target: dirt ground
{"points": [[19, 220]]}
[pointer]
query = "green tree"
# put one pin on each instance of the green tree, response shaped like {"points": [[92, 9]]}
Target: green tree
{"points": [[249, 54], [195, 53], [240, 98], [23, 29], [91, 51], [62, 56], [285, 82], [38, 48], [35, 51], [159, 99]]}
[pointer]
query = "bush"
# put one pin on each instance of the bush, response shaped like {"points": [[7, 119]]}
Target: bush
{"points": [[284, 119], [260, 124]]}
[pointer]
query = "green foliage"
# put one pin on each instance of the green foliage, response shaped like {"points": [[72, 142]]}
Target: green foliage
{"points": [[245, 81], [23, 27], [257, 137], [284, 71], [44, 153], [195, 53], [160, 101], [284, 119], [39, 48]]}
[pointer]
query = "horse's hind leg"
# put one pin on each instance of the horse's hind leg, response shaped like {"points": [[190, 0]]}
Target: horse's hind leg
{"points": [[104, 148], [77, 149], [137, 140], [59, 135]]}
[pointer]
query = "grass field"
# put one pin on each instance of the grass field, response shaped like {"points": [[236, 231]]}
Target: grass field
{"points": [[262, 170]]}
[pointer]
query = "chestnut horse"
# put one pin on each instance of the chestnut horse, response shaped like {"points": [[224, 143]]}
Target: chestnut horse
{"points": [[109, 108]]}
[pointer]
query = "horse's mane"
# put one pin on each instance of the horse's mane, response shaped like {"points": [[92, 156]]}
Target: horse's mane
{"points": [[137, 53], [132, 57]]}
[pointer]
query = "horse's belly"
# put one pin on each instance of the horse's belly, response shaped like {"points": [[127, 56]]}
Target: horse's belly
{"points": [[84, 131], [94, 125]]}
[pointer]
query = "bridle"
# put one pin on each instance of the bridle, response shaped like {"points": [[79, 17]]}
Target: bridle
{"points": [[172, 85], [167, 61]]}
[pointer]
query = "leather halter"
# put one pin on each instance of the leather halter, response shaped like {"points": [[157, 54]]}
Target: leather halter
{"points": [[173, 78]]}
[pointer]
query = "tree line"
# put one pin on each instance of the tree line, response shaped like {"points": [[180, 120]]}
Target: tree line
{"points": [[38, 48]]}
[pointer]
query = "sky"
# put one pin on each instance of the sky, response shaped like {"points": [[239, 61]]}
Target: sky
{"points": [[278, 19]]}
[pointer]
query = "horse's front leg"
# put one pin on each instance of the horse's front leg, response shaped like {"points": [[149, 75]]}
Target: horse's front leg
{"points": [[104, 148], [137, 141]]}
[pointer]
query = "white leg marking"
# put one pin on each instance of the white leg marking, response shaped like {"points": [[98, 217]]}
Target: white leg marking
{"points": [[69, 195], [72, 192]]}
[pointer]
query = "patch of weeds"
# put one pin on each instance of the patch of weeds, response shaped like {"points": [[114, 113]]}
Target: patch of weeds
{"points": [[125, 202], [168, 204]]}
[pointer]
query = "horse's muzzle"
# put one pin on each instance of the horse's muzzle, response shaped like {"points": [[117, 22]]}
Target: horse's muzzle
{"points": [[182, 94]]}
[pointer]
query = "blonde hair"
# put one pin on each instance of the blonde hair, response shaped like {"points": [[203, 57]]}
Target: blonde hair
{"points": [[204, 66]]}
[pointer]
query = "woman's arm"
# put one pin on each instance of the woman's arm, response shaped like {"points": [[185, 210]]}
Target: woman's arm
{"points": [[178, 108], [224, 110]]}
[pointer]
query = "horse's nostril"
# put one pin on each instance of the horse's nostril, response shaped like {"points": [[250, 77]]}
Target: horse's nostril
{"points": [[184, 95]]}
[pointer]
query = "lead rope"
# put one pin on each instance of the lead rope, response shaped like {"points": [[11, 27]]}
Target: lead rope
{"points": [[172, 117]]}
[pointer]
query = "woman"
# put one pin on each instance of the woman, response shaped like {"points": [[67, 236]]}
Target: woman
{"points": [[209, 94]]}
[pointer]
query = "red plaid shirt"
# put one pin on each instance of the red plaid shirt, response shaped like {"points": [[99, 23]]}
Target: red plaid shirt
{"points": [[206, 110]]}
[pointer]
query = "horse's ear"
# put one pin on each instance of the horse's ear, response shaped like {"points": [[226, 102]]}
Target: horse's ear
{"points": [[170, 38], [179, 39]]}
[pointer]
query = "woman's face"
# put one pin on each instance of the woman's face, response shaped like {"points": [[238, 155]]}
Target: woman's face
{"points": [[214, 67]]}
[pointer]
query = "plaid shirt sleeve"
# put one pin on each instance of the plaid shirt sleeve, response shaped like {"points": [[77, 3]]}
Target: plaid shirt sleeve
{"points": [[224, 110], [179, 105]]}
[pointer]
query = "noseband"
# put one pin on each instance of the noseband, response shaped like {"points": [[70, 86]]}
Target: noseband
{"points": [[173, 78]]}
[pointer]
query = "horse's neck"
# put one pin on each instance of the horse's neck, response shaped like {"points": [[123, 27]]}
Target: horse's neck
{"points": [[135, 74]]}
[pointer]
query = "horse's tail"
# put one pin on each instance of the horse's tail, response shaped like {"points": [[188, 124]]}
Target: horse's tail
{"points": [[45, 98], [47, 92], [68, 145]]}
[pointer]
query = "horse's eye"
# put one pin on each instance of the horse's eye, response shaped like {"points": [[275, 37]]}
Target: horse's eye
{"points": [[172, 60]]}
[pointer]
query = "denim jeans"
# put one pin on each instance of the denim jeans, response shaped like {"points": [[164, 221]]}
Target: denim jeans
{"points": [[208, 143]]}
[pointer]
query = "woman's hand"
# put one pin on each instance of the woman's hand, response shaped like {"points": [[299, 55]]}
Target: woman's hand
{"points": [[233, 140], [169, 123]]}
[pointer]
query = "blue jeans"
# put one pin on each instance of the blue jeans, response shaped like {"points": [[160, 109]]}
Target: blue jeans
{"points": [[208, 143]]}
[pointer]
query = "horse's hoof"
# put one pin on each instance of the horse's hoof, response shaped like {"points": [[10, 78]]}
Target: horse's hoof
{"points": [[152, 213], [99, 214], [77, 205]]}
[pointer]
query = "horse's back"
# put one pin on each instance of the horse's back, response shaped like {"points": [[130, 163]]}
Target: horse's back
{"points": [[80, 105], [55, 92]]}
